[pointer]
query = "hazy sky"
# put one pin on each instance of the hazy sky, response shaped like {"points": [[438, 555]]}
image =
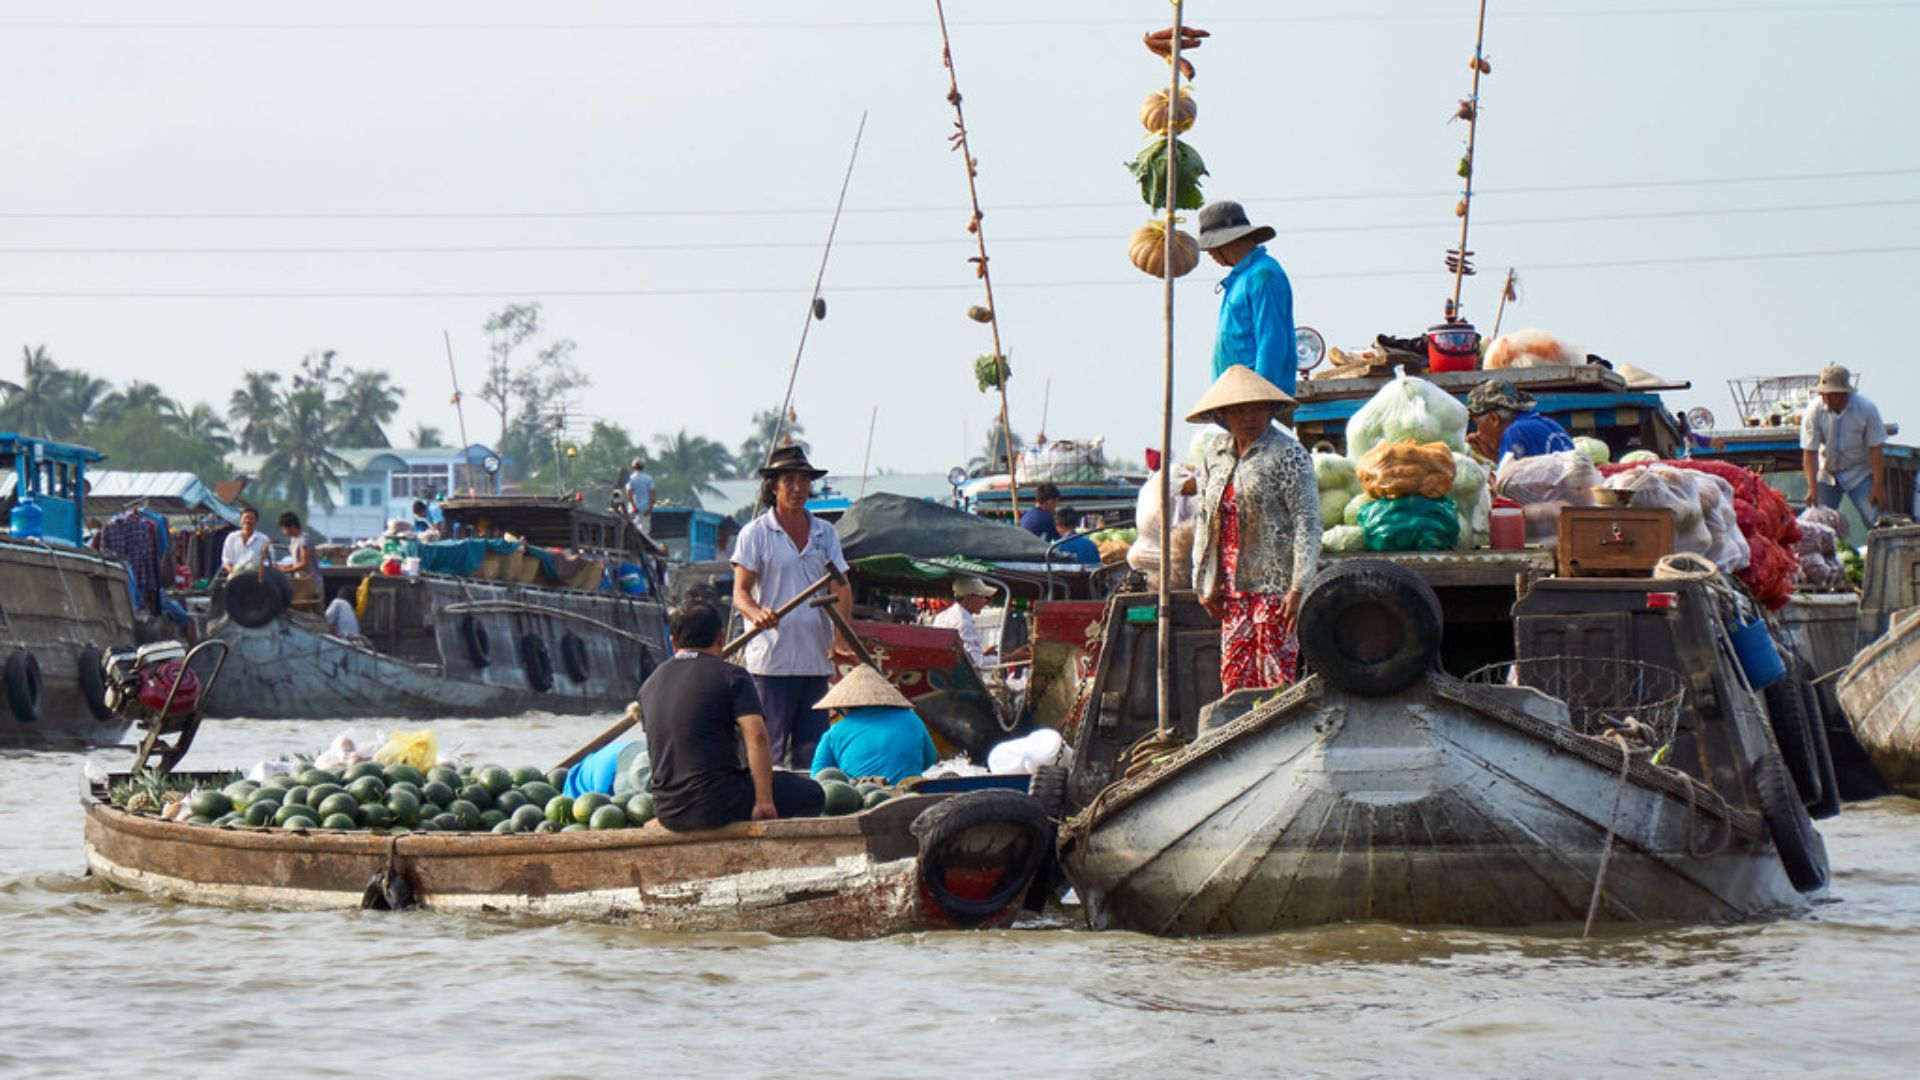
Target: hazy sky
{"points": [[1702, 187]]}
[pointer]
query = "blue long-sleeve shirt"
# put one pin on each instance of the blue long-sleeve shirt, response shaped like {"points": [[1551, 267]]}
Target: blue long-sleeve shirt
{"points": [[1256, 321]]}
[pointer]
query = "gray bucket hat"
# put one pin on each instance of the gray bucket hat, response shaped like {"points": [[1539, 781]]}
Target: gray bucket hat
{"points": [[1225, 221]]}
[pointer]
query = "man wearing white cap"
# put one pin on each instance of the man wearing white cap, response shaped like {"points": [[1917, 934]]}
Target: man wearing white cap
{"points": [[1841, 447], [970, 596], [877, 733]]}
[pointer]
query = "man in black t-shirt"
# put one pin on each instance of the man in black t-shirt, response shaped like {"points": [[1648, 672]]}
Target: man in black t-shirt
{"points": [[699, 712]]}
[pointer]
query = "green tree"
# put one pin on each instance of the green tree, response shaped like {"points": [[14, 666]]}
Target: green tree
{"points": [[254, 411], [302, 470], [767, 427], [201, 424], [993, 453], [41, 403], [361, 408], [531, 396], [145, 439], [684, 467], [425, 435], [138, 397]]}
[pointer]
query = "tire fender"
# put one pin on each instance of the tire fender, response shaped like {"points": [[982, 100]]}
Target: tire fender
{"points": [[1370, 627], [573, 656], [537, 661], [93, 683], [942, 830], [479, 642], [256, 598], [23, 687], [1798, 846]]}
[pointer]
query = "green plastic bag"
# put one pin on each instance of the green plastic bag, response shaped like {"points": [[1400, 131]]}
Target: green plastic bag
{"points": [[1410, 524]]}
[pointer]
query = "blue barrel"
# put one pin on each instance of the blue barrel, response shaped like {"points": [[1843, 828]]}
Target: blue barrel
{"points": [[1753, 644], [27, 522]]}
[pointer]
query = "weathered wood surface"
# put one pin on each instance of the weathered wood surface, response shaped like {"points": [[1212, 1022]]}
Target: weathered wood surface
{"points": [[851, 877], [1439, 806], [63, 605], [1880, 693]]}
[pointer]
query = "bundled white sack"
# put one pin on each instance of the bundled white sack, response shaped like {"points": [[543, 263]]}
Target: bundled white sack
{"points": [[1473, 500], [1344, 538], [1029, 753], [1545, 483], [1407, 408], [1660, 487]]}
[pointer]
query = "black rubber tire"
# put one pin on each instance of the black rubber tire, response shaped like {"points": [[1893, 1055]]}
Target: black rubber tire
{"points": [[1794, 840], [1829, 802], [1787, 714], [942, 826], [573, 655], [1369, 627], [1048, 787], [479, 642], [93, 682], [256, 598], [25, 692], [537, 661]]}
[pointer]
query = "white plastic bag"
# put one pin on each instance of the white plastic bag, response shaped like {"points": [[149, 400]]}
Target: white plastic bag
{"points": [[1729, 550], [1333, 506], [1027, 754], [339, 754], [1407, 408], [1344, 538], [1475, 519], [1333, 472], [1660, 487]]}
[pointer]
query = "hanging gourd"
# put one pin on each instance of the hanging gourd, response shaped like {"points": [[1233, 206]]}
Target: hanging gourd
{"points": [[1154, 113], [1148, 250]]}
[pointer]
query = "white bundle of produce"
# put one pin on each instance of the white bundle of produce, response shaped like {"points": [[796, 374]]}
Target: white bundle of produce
{"points": [[1344, 538], [1352, 514], [1473, 500], [1637, 457], [1597, 452], [1661, 488], [1333, 506], [1333, 472], [1407, 408], [1729, 550], [1545, 483]]}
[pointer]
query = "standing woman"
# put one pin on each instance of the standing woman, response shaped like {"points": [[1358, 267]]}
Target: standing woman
{"points": [[1258, 535], [777, 556]]}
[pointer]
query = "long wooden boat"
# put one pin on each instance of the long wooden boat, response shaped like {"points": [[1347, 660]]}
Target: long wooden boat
{"points": [[1880, 692], [896, 867], [60, 605]]}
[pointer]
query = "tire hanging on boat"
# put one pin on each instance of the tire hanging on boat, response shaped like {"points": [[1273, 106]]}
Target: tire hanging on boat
{"points": [[1370, 627], [1829, 802], [1786, 714], [93, 682], [479, 643], [256, 598], [23, 686], [537, 661], [949, 856], [1794, 840], [573, 654]]}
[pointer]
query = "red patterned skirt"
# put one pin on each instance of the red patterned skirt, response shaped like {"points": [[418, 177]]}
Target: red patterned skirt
{"points": [[1254, 651]]}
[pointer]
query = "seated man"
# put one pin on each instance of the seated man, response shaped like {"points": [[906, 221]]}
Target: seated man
{"points": [[876, 732], [1507, 424], [340, 616], [1073, 545], [699, 709]]}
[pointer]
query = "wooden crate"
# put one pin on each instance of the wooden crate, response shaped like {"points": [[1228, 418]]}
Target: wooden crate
{"points": [[1610, 541]]}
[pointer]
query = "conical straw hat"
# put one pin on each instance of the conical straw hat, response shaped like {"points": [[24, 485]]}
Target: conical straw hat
{"points": [[863, 686], [1239, 385]]}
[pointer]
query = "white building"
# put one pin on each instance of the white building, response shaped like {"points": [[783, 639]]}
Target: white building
{"points": [[383, 484]]}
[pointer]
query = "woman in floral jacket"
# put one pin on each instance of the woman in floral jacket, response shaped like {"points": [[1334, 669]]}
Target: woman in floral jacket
{"points": [[1258, 537]]}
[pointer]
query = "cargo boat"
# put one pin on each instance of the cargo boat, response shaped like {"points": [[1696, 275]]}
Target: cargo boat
{"points": [[1880, 688], [60, 603], [507, 628]]}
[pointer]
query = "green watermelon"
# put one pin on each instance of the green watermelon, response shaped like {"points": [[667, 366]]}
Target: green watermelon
{"points": [[841, 798]]}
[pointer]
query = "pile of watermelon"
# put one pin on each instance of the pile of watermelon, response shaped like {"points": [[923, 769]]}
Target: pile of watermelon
{"points": [[1766, 521]]}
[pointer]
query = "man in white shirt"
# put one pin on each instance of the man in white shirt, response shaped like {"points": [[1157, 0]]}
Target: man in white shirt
{"points": [[970, 596], [1842, 441], [640, 496], [340, 616], [245, 544]]}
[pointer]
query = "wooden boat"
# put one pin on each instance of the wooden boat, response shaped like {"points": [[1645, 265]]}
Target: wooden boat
{"points": [[60, 605], [1381, 788], [1880, 692], [916, 862], [502, 638]]}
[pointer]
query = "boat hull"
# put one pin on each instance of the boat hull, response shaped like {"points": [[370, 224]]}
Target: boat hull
{"points": [[1437, 806], [62, 606], [1880, 693], [847, 877]]}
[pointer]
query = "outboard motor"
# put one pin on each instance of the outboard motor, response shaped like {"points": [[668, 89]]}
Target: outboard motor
{"points": [[139, 680]]}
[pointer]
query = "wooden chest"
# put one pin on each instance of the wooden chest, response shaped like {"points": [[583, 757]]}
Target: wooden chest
{"points": [[1609, 541]]}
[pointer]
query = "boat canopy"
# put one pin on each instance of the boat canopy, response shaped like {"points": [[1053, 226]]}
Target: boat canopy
{"points": [[173, 494], [896, 525]]}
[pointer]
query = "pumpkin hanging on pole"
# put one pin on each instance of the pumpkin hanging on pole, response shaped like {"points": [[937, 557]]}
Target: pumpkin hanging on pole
{"points": [[1164, 113]]}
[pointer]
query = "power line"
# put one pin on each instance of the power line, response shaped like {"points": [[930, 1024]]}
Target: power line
{"points": [[896, 287], [762, 245], [944, 208]]}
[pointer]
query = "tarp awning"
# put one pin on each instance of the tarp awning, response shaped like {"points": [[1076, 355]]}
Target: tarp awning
{"points": [[173, 494], [896, 525]]}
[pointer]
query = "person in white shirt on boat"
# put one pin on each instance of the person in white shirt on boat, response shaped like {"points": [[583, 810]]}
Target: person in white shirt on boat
{"points": [[970, 595], [640, 496], [1843, 447], [245, 545], [340, 614]]}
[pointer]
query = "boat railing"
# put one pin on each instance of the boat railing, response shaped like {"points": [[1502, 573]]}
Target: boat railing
{"points": [[1603, 695]]}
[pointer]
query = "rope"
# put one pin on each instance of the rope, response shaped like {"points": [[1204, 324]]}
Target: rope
{"points": [[1726, 835], [1143, 754], [1685, 566], [1619, 739]]}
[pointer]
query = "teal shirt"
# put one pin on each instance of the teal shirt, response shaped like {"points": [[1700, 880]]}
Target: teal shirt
{"points": [[877, 740], [1256, 321]]}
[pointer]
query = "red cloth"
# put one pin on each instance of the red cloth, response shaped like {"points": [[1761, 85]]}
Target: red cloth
{"points": [[1254, 651]]}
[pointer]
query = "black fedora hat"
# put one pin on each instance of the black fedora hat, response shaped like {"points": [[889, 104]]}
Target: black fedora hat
{"points": [[790, 459], [1225, 221]]}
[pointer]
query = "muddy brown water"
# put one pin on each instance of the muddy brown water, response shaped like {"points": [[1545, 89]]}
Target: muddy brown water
{"points": [[100, 981]]}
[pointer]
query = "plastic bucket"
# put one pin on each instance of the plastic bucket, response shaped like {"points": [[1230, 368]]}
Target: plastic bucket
{"points": [[1453, 347], [1506, 526], [1753, 644]]}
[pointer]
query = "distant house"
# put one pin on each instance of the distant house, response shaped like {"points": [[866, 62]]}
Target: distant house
{"points": [[383, 484]]}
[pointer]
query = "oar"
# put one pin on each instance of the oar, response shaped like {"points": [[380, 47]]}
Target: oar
{"points": [[632, 716]]}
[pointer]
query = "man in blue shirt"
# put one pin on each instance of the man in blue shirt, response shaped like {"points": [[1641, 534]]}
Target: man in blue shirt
{"points": [[640, 497], [1506, 425], [1075, 547], [1038, 520], [1256, 299]]}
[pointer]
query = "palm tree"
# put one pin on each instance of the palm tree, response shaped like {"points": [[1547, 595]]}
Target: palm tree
{"points": [[364, 405], [425, 435], [685, 466], [993, 455], [138, 397], [301, 469], [766, 428], [254, 410], [38, 404], [203, 425], [83, 395]]}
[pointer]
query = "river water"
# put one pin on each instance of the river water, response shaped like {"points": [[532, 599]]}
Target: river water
{"points": [[103, 982]]}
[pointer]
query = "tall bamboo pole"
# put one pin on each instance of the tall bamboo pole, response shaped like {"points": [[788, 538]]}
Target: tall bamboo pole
{"points": [[1163, 608], [1460, 268]]}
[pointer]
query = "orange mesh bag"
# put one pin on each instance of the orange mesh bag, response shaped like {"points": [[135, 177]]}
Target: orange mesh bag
{"points": [[1395, 470]]}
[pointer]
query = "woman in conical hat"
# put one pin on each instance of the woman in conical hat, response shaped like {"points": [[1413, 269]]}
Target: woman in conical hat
{"points": [[1258, 537], [877, 734]]}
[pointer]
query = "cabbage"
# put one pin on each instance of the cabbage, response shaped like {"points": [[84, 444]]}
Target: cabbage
{"points": [[1469, 477], [1638, 457], [1344, 538], [1333, 472], [1351, 515], [1333, 507], [1475, 512], [1408, 409], [1596, 451]]}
